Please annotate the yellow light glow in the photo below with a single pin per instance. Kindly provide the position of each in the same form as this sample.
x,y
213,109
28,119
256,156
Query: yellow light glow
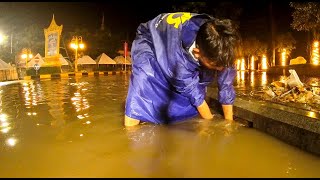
x,y
30,56
4,124
312,114
11,141
1,38
74,46
5,130
283,57
264,62
252,78
264,78
23,56
252,63
315,53
3,117
81,46
242,76
243,64
238,64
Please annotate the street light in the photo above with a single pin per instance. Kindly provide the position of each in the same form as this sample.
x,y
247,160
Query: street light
x,y
76,43
26,54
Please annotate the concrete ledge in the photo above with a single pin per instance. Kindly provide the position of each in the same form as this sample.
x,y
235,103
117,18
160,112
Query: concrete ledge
x,y
312,70
72,74
294,126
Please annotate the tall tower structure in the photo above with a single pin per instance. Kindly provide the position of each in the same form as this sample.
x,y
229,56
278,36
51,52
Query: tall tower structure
x,y
52,45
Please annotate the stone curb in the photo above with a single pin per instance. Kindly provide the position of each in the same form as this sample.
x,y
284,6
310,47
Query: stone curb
x,y
294,126
79,74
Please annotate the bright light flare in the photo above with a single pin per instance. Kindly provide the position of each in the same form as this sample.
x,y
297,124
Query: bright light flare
x,y
264,62
315,53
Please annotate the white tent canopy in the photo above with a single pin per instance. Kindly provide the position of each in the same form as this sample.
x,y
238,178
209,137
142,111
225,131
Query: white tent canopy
x,y
104,59
86,60
63,61
37,59
4,65
122,60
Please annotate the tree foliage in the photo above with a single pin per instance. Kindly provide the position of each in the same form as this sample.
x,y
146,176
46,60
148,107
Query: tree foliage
x,y
251,46
31,37
285,41
306,17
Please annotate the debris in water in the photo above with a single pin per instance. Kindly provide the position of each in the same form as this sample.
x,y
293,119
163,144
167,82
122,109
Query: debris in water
x,y
291,89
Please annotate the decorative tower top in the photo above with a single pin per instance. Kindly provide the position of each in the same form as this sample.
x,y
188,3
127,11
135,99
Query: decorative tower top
x,y
53,26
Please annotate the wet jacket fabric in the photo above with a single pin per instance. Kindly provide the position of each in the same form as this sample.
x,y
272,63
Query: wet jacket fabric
x,y
167,83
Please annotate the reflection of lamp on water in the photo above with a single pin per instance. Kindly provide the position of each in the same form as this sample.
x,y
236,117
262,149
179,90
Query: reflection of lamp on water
x,y
76,43
283,57
264,62
26,54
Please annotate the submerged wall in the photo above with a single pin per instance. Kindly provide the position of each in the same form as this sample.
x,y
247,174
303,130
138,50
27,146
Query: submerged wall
x,y
294,126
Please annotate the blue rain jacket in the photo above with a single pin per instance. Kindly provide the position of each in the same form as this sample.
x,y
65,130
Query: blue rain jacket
x,y
167,83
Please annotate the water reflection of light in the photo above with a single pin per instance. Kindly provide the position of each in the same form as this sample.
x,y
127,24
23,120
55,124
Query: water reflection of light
x,y
31,113
240,78
80,101
311,114
80,116
30,95
283,57
5,130
242,75
264,78
252,78
4,124
11,141
3,117
252,63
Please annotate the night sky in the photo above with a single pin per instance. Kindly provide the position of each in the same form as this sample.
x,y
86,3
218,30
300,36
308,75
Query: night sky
x,y
125,16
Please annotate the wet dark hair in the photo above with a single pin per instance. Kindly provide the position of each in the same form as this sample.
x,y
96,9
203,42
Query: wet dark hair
x,y
217,39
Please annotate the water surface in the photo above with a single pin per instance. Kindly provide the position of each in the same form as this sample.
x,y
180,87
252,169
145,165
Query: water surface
x,y
73,128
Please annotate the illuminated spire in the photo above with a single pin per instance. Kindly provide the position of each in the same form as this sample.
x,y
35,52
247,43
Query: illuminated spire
x,y
53,22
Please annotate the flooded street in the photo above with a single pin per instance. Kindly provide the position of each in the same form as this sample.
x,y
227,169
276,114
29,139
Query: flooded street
x,y
74,128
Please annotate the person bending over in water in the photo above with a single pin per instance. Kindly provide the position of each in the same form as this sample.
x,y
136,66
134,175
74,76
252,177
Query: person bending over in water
x,y
174,56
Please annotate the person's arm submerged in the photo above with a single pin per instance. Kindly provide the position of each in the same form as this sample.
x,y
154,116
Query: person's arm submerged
x,y
227,94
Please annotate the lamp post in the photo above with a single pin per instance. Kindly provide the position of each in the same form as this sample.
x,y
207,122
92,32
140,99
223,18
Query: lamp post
x,y
76,43
26,54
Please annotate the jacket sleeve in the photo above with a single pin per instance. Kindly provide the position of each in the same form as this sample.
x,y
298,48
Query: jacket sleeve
x,y
187,82
226,94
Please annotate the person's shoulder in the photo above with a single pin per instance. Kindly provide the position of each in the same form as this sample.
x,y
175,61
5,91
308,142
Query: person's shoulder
x,y
201,16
